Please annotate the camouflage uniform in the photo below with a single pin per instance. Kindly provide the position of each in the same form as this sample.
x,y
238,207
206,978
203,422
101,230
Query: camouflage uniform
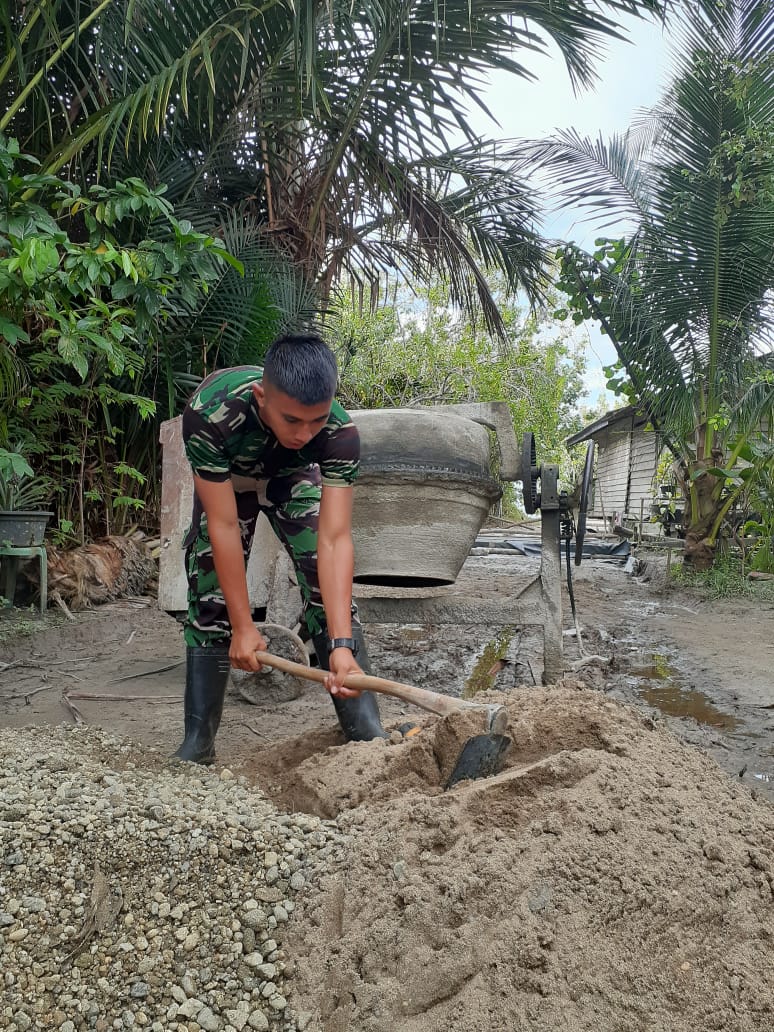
x,y
226,440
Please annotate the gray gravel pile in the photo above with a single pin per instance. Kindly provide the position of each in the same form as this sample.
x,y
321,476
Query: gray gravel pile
x,y
153,898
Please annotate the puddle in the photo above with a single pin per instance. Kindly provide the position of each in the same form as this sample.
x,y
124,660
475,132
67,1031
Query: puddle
x,y
668,696
677,702
654,666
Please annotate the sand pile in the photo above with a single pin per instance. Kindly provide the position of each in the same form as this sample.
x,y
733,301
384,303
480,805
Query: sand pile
x,y
609,879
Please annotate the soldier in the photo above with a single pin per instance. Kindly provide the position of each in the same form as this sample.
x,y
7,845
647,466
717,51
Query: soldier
x,y
271,440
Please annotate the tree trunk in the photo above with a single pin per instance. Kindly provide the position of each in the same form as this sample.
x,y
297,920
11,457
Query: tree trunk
x,y
704,500
698,551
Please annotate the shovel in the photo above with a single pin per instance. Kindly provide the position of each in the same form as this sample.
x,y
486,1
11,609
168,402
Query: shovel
x,y
480,756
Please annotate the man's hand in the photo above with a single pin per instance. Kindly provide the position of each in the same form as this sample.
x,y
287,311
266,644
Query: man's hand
x,y
244,645
342,662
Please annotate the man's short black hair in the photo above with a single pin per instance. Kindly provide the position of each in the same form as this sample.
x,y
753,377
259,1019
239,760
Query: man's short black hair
x,y
302,366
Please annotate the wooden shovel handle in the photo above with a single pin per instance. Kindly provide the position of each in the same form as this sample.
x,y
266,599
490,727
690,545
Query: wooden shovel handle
x,y
443,705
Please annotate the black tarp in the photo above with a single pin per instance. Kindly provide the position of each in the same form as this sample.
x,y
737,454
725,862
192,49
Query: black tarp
x,y
617,551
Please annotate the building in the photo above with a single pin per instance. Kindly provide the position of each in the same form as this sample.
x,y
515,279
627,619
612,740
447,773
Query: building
x,y
625,470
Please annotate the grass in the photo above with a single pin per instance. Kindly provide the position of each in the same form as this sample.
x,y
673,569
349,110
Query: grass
x,y
19,623
726,579
487,667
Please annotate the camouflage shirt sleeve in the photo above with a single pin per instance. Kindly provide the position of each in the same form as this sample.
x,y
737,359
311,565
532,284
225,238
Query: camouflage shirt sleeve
x,y
204,447
216,414
339,449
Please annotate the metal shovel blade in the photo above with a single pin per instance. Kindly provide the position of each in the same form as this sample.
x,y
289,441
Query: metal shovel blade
x,y
481,757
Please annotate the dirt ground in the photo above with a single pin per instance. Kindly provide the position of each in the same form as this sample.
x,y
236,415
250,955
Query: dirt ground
x,y
700,668
617,875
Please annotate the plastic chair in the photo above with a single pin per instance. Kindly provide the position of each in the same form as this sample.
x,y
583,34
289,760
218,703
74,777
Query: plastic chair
x,y
13,554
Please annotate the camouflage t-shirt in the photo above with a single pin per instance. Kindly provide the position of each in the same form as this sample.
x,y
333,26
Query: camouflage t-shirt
x,y
223,434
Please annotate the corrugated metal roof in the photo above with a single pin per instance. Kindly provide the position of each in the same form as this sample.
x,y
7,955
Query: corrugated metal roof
x,y
608,419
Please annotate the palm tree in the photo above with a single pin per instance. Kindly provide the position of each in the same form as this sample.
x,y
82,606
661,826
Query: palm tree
x,y
330,123
686,295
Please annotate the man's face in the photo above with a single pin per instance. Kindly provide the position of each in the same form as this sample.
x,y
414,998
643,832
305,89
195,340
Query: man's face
x,y
292,423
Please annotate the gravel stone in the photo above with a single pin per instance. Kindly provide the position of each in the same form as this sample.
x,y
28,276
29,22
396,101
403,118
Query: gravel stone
x,y
239,1016
156,896
190,1008
254,919
207,1020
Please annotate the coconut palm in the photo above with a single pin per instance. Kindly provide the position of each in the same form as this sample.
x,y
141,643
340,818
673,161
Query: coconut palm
x,y
336,124
686,294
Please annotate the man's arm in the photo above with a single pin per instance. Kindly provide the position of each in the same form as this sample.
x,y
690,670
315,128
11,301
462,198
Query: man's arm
x,y
335,568
219,503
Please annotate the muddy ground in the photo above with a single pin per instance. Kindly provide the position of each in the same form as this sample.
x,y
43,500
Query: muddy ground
x,y
617,875
701,668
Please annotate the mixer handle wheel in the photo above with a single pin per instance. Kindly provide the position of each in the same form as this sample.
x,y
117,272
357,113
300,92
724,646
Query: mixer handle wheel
x,y
530,473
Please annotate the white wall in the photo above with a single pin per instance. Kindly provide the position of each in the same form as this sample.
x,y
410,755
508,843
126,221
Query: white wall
x,y
625,468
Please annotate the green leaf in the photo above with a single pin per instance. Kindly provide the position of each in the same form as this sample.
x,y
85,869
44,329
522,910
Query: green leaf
x,y
124,501
122,288
13,464
12,332
69,348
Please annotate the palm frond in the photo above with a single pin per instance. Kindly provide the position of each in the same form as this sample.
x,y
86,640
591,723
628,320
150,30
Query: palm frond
x,y
274,102
700,270
240,315
407,216
608,179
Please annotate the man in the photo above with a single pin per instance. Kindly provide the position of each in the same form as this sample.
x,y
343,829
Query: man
x,y
271,440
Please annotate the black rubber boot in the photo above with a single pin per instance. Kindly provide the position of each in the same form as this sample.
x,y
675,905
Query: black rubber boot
x,y
359,718
207,672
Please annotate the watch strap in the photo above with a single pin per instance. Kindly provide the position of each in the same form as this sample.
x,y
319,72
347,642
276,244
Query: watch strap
x,y
342,643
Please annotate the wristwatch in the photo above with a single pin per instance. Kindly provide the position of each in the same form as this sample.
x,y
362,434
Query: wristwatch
x,y
342,643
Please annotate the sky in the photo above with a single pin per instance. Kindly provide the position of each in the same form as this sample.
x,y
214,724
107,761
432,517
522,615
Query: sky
x,y
631,77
